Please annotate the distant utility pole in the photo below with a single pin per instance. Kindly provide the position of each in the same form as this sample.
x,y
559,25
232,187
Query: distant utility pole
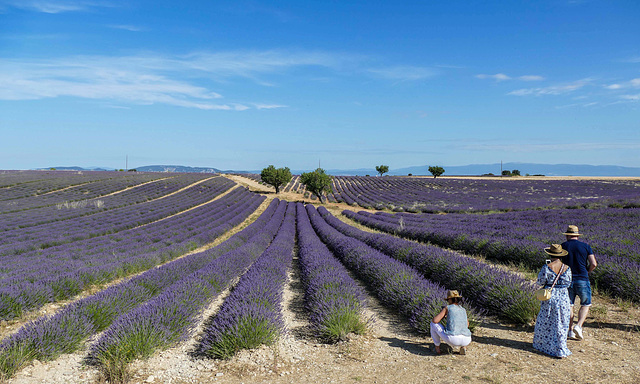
x,y
126,163
319,164
500,168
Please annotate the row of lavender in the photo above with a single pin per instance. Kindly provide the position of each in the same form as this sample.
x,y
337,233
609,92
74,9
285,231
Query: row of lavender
x,y
493,289
110,195
62,188
167,292
35,238
15,184
72,268
518,238
414,194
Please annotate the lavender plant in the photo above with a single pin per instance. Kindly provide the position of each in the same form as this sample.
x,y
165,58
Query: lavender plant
x,y
497,291
50,336
394,283
251,315
333,298
517,237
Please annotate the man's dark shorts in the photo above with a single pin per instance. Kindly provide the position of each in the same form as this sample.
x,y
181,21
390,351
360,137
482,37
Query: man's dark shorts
x,y
581,288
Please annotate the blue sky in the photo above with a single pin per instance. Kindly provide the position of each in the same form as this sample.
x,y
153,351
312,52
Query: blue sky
x,y
354,84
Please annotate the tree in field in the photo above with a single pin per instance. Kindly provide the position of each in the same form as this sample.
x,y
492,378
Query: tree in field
x,y
515,172
436,170
276,177
506,172
317,182
382,169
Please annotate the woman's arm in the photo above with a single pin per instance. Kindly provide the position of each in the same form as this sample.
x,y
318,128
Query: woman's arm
x,y
440,315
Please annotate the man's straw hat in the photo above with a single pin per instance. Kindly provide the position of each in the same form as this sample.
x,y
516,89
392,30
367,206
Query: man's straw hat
x,y
572,230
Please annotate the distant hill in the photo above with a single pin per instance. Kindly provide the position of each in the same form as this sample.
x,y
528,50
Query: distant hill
x,y
460,170
176,168
527,168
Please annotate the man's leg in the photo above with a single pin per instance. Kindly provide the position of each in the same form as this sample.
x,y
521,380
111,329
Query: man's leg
x,y
582,315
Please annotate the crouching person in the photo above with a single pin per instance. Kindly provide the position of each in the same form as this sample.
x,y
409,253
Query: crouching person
x,y
456,333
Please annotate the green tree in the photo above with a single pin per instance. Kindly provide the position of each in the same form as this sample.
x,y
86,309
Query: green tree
x,y
436,170
317,182
515,172
506,172
276,177
382,169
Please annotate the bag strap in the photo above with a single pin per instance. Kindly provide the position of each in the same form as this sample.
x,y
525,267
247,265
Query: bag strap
x,y
557,276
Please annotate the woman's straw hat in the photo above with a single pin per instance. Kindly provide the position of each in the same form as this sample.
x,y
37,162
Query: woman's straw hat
x,y
556,250
572,230
452,295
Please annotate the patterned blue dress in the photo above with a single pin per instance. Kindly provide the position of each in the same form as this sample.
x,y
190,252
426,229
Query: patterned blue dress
x,y
552,324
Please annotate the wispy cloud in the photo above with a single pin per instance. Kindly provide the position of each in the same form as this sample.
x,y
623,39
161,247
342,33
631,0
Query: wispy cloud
x,y
504,77
55,6
150,79
633,83
552,90
531,78
269,106
131,28
496,77
631,97
403,73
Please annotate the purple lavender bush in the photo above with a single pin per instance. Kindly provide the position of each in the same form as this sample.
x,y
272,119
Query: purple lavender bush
x,y
508,239
499,292
172,315
252,314
64,332
394,283
333,298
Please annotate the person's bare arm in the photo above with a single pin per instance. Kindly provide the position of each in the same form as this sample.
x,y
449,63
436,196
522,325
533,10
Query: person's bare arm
x,y
592,262
440,315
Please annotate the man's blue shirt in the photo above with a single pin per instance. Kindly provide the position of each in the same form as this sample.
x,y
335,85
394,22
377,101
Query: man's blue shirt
x,y
577,259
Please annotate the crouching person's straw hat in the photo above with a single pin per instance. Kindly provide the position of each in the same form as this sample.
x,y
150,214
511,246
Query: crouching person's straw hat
x,y
453,295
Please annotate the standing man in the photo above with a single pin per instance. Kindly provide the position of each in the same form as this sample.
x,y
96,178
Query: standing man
x,y
582,261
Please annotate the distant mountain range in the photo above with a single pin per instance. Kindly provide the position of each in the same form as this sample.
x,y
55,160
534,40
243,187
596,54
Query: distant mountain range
x,y
460,170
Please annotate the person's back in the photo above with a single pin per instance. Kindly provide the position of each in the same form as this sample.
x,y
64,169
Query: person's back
x,y
457,321
578,258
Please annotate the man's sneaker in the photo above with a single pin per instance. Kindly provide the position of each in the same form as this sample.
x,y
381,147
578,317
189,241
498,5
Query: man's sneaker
x,y
578,331
463,351
571,335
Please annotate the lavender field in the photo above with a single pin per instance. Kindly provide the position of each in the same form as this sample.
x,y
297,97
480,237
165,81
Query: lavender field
x,y
136,273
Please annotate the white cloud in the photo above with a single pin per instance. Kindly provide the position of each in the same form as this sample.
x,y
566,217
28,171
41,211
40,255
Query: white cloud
x,y
631,97
504,77
150,79
496,77
56,6
633,83
131,28
552,90
269,106
403,73
99,78
531,78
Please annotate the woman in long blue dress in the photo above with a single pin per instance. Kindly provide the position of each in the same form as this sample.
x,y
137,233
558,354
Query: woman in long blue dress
x,y
552,324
